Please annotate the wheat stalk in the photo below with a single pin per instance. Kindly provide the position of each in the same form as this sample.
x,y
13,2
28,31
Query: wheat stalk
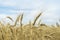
x,y
21,22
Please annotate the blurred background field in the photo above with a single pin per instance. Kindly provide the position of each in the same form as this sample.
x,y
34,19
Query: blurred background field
x,y
29,31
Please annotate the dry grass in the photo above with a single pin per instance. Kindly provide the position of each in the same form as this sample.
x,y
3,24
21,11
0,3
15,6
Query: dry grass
x,y
28,31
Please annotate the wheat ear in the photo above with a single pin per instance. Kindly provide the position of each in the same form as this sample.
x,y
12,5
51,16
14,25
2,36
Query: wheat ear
x,y
37,18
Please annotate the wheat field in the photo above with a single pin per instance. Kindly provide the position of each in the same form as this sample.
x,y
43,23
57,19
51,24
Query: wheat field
x,y
28,31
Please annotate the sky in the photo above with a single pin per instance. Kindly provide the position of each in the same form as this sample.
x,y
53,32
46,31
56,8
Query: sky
x,y
30,9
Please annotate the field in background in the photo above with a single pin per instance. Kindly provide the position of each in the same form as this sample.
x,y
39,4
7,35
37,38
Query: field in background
x,y
29,31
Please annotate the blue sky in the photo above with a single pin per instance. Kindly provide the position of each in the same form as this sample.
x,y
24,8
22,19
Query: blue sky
x,y
31,8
